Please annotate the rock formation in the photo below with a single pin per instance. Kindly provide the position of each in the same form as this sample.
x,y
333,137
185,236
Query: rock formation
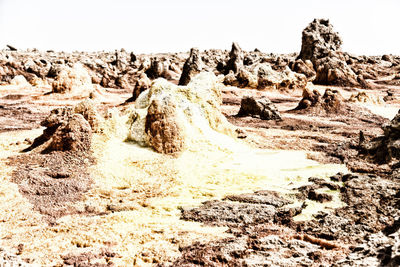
x,y
121,69
330,103
287,79
169,118
74,134
74,80
262,108
319,40
363,97
384,149
193,65
88,109
65,131
305,68
262,76
165,130
334,71
142,84
20,81
235,62
380,249
158,68
321,44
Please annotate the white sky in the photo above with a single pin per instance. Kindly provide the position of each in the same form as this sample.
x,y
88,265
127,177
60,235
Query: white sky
x,y
366,27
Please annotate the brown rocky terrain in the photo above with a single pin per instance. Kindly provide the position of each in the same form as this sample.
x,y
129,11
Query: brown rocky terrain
x,y
211,158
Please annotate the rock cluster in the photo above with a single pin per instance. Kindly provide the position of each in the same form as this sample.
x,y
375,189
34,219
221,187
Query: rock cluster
x,y
363,97
262,108
119,69
259,75
330,103
320,60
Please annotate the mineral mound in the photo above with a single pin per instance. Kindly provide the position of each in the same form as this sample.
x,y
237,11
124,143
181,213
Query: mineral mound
x,y
73,80
168,117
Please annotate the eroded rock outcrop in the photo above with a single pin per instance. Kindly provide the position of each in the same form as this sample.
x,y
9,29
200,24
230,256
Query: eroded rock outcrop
x,y
235,62
88,109
305,68
380,249
262,108
321,45
284,80
193,65
364,97
384,149
74,134
319,40
142,84
20,81
158,68
334,71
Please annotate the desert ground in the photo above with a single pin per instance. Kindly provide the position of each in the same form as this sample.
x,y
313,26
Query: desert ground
x,y
200,158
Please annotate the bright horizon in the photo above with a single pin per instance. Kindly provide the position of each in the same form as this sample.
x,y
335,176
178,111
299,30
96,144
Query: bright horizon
x,y
366,27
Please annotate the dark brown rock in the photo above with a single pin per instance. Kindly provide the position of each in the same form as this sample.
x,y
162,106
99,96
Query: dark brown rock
x,y
262,108
321,45
158,68
142,84
235,62
319,40
193,65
